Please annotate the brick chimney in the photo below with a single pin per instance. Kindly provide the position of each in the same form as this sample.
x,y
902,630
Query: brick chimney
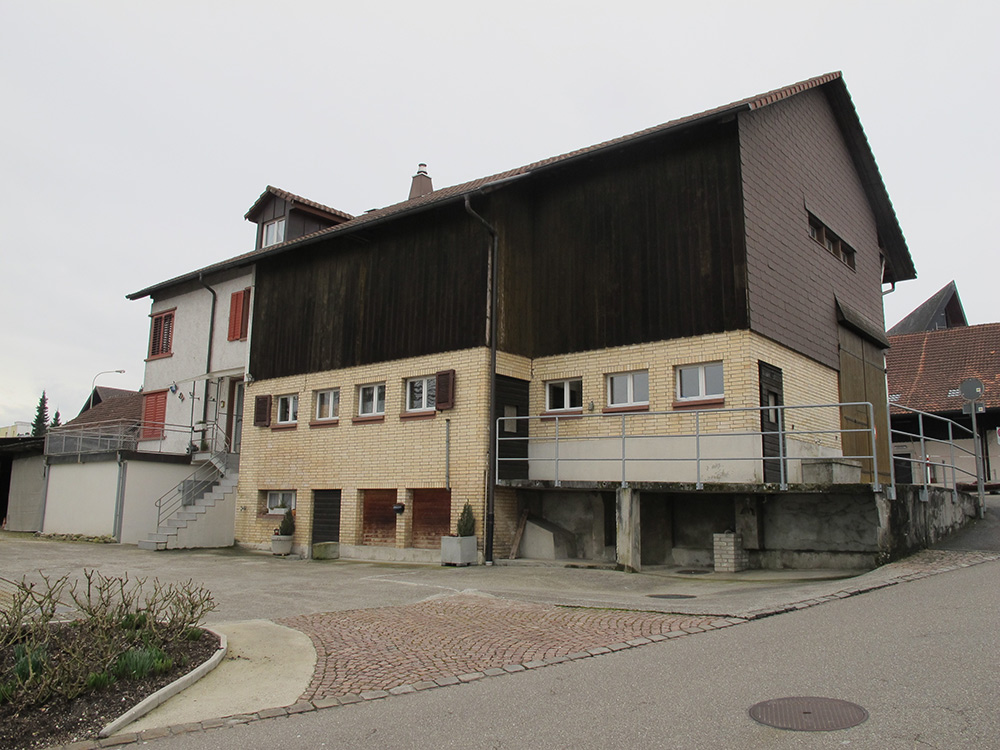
x,y
421,182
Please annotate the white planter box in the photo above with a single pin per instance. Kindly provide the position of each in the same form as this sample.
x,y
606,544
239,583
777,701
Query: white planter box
x,y
281,545
459,550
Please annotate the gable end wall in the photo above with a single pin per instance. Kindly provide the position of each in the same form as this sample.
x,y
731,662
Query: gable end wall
x,y
793,157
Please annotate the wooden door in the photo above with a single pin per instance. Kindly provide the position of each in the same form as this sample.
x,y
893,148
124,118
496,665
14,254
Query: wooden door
x,y
862,378
772,394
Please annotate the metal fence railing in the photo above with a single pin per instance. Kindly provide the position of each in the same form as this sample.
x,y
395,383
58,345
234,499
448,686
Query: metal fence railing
x,y
937,457
736,445
133,435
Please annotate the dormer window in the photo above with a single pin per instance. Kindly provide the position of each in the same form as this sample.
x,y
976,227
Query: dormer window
x,y
274,232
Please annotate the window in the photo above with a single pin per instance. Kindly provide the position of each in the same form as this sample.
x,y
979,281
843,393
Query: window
x,y
420,393
154,414
564,395
833,244
288,409
629,389
274,232
327,404
279,501
239,315
700,382
371,400
161,334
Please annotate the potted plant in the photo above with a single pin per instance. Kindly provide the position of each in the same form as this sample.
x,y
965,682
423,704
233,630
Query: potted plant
x,y
281,540
460,549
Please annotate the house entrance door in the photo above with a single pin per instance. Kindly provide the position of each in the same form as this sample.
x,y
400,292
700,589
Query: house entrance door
x,y
772,394
236,415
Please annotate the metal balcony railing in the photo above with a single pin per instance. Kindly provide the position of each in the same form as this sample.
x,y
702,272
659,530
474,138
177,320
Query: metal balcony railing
x,y
937,456
736,445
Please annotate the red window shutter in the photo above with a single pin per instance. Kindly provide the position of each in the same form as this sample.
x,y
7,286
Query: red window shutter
x,y
444,388
235,315
154,415
245,314
262,411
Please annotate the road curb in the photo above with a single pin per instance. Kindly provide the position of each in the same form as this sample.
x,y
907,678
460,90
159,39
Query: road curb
x,y
169,691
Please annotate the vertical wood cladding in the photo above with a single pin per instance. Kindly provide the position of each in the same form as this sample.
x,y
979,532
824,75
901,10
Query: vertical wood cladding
x,y
642,244
414,287
795,161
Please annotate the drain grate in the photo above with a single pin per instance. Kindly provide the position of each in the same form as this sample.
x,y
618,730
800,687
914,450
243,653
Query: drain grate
x,y
670,596
693,572
808,714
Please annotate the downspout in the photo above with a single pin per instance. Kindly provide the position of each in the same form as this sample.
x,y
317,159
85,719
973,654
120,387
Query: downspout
x,y
208,357
491,310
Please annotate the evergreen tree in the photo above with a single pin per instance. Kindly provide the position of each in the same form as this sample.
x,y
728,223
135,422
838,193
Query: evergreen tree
x,y
56,422
41,423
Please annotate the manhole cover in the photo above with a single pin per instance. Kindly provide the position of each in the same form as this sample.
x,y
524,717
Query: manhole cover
x,y
808,714
670,596
693,572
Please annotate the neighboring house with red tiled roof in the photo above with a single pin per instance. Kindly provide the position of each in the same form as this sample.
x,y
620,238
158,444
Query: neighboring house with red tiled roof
x,y
925,372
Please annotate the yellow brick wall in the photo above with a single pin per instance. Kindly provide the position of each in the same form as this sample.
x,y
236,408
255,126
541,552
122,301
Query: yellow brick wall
x,y
391,454
805,382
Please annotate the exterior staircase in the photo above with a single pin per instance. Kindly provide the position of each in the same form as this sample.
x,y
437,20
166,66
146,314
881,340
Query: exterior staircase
x,y
200,511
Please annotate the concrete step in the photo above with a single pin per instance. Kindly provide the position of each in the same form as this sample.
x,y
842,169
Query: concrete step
x,y
163,534
187,515
176,523
151,545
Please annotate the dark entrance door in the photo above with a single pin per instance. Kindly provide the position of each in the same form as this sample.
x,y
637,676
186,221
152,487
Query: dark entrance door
x,y
326,516
772,395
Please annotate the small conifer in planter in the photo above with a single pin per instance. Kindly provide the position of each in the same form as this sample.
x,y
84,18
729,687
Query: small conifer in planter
x,y
281,542
461,548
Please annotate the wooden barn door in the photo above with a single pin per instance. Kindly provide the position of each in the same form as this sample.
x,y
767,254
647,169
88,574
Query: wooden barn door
x,y
862,378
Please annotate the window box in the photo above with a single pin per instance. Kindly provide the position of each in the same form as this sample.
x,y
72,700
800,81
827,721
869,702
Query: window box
x,y
278,501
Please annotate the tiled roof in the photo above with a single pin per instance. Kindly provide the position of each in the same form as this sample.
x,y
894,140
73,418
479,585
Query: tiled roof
x,y
925,369
925,315
126,405
293,198
897,252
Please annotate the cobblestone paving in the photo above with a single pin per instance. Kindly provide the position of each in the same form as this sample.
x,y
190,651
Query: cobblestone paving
x,y
446,639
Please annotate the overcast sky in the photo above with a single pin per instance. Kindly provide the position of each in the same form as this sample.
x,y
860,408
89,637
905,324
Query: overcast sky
x,y
135,135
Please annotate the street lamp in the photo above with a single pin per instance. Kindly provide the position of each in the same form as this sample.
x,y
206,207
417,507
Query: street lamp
x,y
93,385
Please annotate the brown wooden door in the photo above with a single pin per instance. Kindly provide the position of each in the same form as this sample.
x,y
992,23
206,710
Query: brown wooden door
x,y
862,378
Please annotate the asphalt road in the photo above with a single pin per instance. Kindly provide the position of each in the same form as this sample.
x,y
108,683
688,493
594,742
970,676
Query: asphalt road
x,y
920,657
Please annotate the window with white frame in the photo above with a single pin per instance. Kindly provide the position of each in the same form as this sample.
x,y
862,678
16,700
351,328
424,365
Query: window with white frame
x,y
279,501
564,395
327,404
288,409
420,393
700,382
629,388
371,400
274,232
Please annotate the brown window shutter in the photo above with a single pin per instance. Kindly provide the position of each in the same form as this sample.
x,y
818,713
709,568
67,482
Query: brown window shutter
x,y
445,389
262,411
235,315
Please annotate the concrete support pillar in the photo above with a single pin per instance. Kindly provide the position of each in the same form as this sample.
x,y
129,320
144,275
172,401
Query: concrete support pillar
x,y
750,521
628,552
